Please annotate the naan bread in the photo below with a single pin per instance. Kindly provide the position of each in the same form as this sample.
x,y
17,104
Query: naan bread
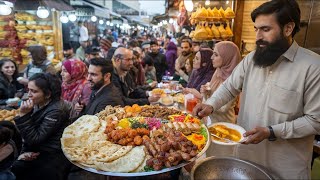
x,y
84,125
126,163
140,168
109,152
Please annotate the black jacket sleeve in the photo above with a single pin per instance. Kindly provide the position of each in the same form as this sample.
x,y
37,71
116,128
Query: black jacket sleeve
x,y
34,134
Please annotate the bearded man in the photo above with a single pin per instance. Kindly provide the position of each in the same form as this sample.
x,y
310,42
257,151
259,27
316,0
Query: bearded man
x,y
280,84
104,93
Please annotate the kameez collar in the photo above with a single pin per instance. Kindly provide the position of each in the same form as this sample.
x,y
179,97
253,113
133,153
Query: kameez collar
x,y
292,51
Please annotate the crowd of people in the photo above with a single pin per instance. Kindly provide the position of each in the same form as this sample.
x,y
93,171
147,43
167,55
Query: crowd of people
x,y
92,77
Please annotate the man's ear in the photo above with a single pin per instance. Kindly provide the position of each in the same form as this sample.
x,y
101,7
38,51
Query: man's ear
x,y
107,77
288,29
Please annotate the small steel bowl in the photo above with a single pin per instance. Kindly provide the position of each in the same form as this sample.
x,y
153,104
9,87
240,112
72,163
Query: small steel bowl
x,y
227,168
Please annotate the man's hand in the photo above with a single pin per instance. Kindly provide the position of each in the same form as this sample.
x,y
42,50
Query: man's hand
x,y
28,156
256,135
26,107
23,80
78,107
202,110
153,84
153,99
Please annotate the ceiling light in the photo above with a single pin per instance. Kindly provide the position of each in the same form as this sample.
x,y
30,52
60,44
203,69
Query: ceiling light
x,y
207,3
188,4
4,9
42,12
64,18
111,24
94,18
72,17
108,23
170,20
101,21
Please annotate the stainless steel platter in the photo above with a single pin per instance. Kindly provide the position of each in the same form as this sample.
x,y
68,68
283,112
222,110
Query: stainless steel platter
x,y
93,170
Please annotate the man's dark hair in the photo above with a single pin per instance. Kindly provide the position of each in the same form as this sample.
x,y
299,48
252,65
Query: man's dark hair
x,y
38,53
67,46
106,66
133,43
154,42
286,11
187,40
147,60
49,84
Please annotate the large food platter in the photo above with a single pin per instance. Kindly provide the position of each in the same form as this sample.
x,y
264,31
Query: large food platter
x,y
111,115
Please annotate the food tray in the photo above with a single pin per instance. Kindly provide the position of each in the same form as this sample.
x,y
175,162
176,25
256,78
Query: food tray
x,y
93,170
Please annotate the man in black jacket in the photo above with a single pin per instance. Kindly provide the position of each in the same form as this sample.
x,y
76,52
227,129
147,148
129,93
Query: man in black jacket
x,y
123,80
103,91
159,60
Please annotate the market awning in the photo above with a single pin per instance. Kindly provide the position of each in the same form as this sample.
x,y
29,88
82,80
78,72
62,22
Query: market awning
x,y
137,20
59,5
98,9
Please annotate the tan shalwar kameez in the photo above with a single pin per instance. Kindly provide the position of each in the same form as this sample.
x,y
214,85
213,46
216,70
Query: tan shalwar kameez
x,y
285,96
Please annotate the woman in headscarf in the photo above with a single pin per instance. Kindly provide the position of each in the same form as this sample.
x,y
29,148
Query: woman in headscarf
x,y
202,69
39,64
225,58
75,88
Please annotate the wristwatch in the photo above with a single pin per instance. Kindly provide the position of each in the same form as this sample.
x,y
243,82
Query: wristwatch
x,y
272,137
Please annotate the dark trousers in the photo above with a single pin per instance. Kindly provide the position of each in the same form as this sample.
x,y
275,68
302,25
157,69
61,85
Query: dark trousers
x,y
48,166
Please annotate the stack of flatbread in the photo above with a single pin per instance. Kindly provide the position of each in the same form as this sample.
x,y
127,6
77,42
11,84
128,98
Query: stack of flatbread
x,y
85,143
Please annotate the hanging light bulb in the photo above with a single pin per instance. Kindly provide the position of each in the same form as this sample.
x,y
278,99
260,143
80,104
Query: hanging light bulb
x,y
72,17
207,3
160,24
4,9
64,18
165,22
108,23
101,21
42,12
117,25
188,4
170,20
227,2
111,24
94,18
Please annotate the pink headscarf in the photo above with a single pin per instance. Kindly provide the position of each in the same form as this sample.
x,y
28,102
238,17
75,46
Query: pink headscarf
x,y
78,71
230,55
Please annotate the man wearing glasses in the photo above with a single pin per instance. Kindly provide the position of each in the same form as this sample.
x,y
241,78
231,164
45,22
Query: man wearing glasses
x,y
131,94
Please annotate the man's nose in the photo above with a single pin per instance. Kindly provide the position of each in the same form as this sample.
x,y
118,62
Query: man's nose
x,y
259,35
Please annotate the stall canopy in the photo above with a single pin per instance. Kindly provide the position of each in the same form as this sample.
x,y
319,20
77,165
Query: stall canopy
x,y
59,5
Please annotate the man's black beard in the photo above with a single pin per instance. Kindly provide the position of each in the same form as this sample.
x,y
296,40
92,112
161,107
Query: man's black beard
x,y
68,56
185,53
268,55
98,85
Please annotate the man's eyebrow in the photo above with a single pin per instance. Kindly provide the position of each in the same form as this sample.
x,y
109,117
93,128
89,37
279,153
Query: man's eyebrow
x,y
261,27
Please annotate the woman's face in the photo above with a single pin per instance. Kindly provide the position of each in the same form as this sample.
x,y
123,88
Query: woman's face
x,y
197,61
36,94
66,77
188,66
216,59
8,68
